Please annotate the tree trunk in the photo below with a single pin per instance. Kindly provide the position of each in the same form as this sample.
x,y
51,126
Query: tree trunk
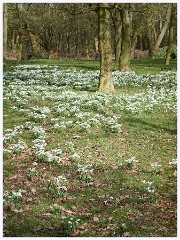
x,y
96,44
77,41
124,63
19,56
170,41
163,29
5,31
105,80
133,44
150,37
116,17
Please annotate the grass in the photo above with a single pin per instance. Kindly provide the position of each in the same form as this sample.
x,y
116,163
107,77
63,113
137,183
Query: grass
x,y
139,66
123,198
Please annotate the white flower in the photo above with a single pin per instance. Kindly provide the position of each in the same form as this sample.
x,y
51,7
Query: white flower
x,y
173,162
75,156
155,165
16,194
34,163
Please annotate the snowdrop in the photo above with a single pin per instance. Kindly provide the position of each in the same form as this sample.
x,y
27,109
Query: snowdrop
x,y
13,196
85,172
155,165
18,147
148,186
75,156
58,186
173,162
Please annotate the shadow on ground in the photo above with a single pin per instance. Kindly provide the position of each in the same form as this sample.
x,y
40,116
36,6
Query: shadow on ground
x,y
151,125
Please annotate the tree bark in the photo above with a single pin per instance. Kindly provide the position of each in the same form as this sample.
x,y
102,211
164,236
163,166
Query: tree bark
x,y
164,28
5,31
133,44
150,36
105,80
116,17
96,44
124,63
170,41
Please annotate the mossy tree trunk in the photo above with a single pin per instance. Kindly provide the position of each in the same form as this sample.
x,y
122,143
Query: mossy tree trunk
x,y
133,44
105,80
124,63
170,40
116,17
5,31
19,55
96,44
150,36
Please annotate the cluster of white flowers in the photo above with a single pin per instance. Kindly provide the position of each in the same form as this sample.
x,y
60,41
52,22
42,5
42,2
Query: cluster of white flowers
x,y
155,165
39,145
11,134
75,156
12,196
87,109
69,224
83,80
28,85
173,162
43,155
37,117
148,186
32,172
113,125
58,186
38,131
131,160
85,172
16,148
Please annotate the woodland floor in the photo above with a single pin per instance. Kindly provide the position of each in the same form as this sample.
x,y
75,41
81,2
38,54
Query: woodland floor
x,y
115,180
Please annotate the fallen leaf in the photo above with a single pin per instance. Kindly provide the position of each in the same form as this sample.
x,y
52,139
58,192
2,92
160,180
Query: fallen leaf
x,y
74,208
14,177
36,229
18,210
83,226
9,206
69,212
48,214
114,167
29,199
26,208
71,197
126,234
95,219
33,190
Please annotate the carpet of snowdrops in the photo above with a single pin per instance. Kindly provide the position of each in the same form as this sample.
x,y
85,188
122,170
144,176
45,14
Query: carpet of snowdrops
x,y
51,101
